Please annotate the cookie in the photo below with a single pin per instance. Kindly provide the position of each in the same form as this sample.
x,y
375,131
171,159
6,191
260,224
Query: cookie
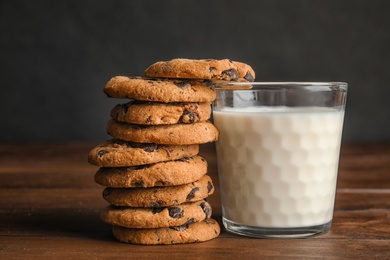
x,y
170,173
149,113
160,196
160,90
177,134
118,153
201,69
188,233
157,217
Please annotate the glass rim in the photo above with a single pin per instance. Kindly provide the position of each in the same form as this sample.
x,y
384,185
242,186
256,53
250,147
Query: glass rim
x,y
230,85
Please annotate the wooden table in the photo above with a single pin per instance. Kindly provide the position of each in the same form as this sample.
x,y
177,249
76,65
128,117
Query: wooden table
x,y
49,208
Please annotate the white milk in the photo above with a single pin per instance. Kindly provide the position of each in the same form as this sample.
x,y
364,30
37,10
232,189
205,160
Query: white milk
x,y
278,166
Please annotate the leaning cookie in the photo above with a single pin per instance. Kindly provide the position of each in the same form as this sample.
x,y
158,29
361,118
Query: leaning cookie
x,y
201,69
160,90
118,153
177,134
188,233
160,196
170,173
152,113
157,217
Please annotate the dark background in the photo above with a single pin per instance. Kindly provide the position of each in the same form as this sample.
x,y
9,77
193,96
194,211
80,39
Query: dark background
x,y
56,56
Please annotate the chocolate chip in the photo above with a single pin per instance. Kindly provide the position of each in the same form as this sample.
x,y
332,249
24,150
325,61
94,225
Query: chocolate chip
x,y
181,84
184,226
231,74
185,159
189,115
101,153
208,83
156,210
211,69
190,221
206,209
191,195
149,119
249,77
150,148
179,228
209,186
139,184
155,204
175,212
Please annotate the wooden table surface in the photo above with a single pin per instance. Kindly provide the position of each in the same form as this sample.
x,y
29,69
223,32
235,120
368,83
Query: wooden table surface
x,y
49,207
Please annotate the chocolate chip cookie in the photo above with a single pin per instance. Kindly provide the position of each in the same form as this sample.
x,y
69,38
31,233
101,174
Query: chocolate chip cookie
x,y
169,173
157,217
201,69
188,233
160,90
118,153
160,196
177,134
152,113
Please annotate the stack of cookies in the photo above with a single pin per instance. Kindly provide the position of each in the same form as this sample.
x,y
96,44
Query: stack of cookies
x,y
156,183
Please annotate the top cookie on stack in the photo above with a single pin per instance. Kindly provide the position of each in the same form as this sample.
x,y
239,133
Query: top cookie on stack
x,y
225,70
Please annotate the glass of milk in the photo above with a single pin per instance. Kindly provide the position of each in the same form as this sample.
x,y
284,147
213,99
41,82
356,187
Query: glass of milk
x,y
278,154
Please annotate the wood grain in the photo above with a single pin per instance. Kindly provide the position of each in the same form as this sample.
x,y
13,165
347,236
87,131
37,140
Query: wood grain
x,y
49,207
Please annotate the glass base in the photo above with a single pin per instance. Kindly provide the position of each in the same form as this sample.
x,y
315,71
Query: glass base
x,y
265,232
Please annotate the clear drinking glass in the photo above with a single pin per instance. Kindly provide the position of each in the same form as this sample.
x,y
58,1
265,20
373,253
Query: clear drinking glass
x,y
278,154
